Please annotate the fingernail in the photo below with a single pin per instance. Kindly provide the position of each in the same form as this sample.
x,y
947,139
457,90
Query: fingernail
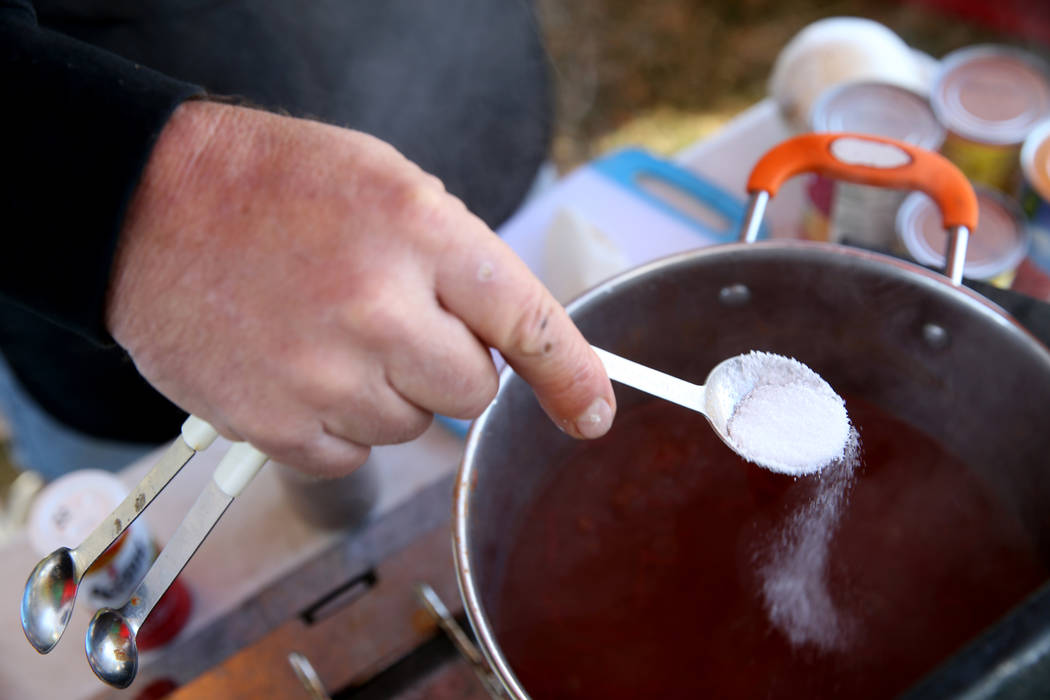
x,y
595,421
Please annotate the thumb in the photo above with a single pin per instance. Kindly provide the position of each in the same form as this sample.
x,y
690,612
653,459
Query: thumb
x,y
493,292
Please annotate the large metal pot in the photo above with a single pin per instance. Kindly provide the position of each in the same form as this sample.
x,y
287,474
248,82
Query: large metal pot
x,y
931,352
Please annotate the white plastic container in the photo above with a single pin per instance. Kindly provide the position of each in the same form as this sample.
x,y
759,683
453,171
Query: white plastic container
x,y
837,50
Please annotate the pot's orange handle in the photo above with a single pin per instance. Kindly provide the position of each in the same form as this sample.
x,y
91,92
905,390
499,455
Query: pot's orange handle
x,y
870,160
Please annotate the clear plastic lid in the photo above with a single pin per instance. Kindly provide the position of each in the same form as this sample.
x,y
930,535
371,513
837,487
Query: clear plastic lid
x,y
879,109
70,507
991,94
1035,159
998,245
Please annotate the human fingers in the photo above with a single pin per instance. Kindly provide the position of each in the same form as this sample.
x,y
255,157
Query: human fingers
x,y
493,291
324,454
435,362
305,445
346,389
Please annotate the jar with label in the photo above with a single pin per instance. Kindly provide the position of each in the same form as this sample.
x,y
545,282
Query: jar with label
x,y
67,510
1035,202
995,249
843,212
990,98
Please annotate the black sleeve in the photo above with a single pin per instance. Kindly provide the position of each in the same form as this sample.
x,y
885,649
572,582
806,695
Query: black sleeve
x,y
78,125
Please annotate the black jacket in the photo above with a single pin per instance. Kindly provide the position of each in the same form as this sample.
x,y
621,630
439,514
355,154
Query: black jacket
x,y
459,86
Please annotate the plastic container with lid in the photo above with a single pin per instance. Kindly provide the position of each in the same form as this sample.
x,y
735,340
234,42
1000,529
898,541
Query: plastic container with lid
x,y
995,249
860,214
989,98
1035,199
66,511
834,51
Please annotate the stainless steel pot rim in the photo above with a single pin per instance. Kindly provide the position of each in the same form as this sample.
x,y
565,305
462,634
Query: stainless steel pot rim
x,y
793,249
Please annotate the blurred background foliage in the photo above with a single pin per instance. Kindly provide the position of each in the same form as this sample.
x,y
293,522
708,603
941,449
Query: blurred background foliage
x,y
663,73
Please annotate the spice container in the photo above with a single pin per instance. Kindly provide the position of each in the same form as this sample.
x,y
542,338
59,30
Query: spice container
x,y
67,510
859,214
1035,197
995,249
835,51
990,98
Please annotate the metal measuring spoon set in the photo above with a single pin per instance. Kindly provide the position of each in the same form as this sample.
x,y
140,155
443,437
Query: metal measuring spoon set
x,y
50,592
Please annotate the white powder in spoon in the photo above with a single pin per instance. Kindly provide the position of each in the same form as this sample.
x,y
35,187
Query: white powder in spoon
x,y
788,419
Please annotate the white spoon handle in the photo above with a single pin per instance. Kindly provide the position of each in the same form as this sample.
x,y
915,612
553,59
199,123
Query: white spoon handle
x,y
236,469
652,381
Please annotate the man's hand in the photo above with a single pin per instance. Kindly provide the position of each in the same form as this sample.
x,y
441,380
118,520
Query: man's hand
x,y
308,289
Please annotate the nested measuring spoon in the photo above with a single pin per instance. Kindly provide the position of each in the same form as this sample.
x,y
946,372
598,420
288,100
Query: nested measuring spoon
x,y
51,590
110,640
770,409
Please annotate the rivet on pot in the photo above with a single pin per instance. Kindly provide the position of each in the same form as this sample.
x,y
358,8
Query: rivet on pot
x,y
936,337
734,295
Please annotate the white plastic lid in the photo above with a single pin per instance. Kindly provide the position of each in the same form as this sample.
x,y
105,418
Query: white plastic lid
x,y
999,243
991,94
1035,159
879,109
70,507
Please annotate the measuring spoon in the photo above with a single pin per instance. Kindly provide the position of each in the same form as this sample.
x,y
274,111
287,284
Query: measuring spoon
x,y
51,590
724,391
110,640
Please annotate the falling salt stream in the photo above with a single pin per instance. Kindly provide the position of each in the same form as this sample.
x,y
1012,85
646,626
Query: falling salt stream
x,y
793,568
791,421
